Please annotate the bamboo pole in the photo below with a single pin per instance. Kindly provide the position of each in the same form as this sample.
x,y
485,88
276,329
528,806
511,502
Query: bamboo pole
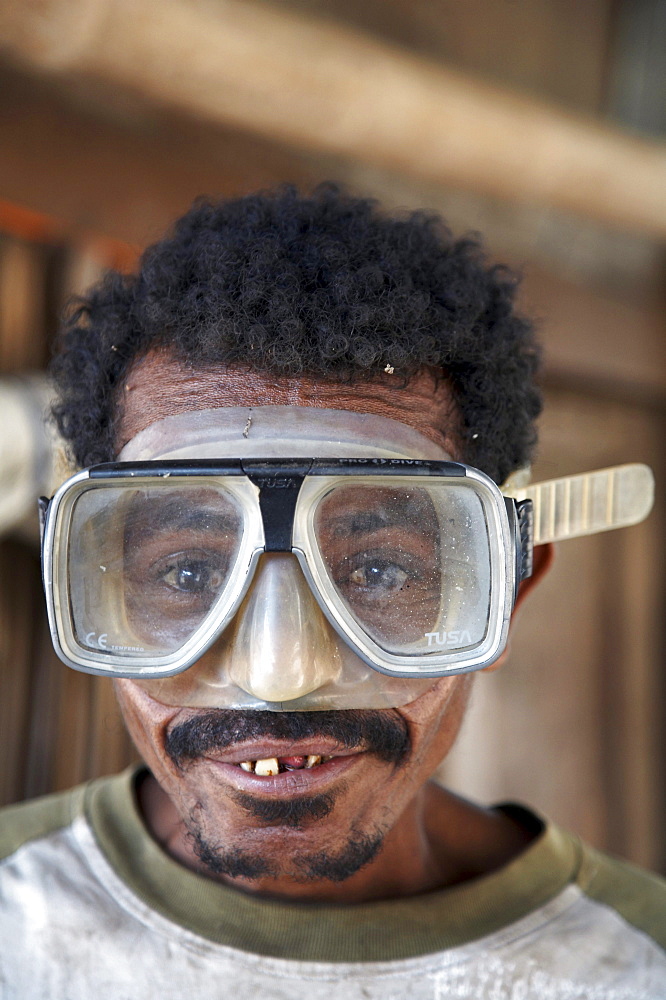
x,y
329,89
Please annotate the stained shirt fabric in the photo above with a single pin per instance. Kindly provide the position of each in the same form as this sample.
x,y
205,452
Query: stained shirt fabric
x,y
90,905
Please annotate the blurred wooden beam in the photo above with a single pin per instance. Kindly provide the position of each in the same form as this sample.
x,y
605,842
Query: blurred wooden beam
x,y
100,171
323,87
92,174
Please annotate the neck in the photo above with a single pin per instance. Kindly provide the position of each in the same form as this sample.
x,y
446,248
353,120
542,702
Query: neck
x,y
440,840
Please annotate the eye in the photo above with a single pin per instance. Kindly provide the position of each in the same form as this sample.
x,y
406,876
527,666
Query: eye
x,y
192,576
378,573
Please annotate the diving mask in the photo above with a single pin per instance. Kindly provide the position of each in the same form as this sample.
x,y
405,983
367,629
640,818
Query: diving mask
x,y
348,575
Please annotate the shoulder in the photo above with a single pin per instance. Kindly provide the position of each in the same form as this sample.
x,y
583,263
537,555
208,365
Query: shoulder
x,y
43,818
597,897
637,896
29,821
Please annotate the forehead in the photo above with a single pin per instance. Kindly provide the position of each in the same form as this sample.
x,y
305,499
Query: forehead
x,y
159,386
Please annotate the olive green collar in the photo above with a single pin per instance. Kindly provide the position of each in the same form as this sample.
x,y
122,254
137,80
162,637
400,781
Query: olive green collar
x,y
368,932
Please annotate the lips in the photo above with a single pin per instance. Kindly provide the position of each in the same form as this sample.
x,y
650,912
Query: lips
x,y
281,770
292,754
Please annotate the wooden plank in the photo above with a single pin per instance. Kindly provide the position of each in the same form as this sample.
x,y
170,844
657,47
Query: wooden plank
x,y
325,88
22,345
556,50
17,581
45,673
22,276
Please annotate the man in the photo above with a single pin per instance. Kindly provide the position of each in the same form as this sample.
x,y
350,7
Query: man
x,y
294,581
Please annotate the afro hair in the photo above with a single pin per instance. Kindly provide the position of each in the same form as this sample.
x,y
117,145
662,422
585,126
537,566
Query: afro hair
x,y
326,284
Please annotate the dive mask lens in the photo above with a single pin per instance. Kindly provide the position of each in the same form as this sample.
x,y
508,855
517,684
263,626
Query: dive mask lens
x,y
407,563
141,568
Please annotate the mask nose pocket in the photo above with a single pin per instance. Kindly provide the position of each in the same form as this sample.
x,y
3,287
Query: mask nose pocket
x,y
280,646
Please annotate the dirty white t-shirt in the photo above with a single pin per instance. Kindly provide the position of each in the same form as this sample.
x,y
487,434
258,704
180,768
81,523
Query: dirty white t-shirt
x,y
91,907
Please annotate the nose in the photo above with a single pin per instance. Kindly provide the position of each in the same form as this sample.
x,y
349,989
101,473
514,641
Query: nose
x,y
279,653
279,645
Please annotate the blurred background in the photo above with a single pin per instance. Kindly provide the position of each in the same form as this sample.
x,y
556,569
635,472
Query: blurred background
x,y
539,123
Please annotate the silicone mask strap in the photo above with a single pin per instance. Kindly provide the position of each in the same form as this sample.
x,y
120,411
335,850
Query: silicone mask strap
x,y
588,503
278,431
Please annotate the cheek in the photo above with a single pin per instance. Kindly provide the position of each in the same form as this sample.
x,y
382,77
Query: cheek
x,y
434,719
146,722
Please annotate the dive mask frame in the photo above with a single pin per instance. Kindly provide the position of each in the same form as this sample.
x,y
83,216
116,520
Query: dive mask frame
x,y
285,492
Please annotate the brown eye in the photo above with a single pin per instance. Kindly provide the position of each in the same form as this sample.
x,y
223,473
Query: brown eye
x,y
192,576
379,574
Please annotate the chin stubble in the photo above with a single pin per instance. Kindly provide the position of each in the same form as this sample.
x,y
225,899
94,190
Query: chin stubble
x,y
378,732
359,851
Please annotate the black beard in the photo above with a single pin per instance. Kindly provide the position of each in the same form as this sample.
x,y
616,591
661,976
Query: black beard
x,y
359,851
380,732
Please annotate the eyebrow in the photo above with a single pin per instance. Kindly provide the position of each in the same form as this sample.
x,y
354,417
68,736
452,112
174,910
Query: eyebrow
x,y
157,516
364,522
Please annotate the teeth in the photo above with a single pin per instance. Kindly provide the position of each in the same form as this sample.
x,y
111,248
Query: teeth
x,y
270,766
267,767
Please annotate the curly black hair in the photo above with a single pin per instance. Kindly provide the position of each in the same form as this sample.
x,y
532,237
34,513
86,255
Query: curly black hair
x,y
325,284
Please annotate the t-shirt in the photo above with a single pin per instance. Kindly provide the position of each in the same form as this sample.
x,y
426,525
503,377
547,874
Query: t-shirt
x,y
91,907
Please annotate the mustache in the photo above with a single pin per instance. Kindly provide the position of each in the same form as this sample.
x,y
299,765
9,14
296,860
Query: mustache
x,y
379,732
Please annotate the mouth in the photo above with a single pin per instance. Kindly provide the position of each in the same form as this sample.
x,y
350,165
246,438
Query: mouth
x,y
268,767
288,769
263,745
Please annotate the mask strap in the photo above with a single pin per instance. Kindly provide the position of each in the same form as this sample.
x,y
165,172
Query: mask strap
x,y
589,503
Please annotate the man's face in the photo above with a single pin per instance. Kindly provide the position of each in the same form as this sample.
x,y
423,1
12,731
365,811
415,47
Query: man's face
x,y
286,831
